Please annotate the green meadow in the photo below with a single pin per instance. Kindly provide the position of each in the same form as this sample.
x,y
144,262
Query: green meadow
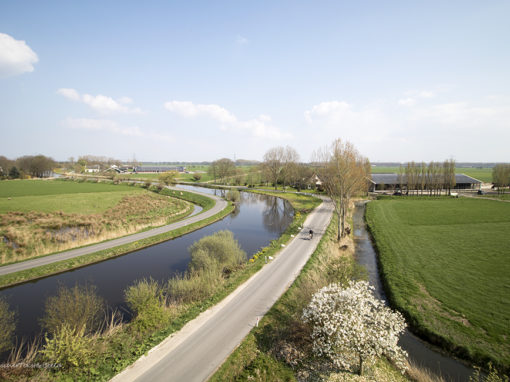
x,y
446,264
68,197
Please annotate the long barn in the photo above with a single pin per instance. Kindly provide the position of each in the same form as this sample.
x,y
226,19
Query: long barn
x,y
393,181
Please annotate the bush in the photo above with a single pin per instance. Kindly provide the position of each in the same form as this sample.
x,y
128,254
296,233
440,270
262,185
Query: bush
x,y
7,325
233,196
193,287
147,301
68,347
350,324
78,307
219,250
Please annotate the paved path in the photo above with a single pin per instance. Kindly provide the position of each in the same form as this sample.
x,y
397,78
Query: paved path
x,y
219,206
201,346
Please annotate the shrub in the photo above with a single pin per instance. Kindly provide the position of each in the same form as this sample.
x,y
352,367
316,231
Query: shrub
x,y
78,307
219,250
68,346
350,325
193,287
147,301
7,325
233,196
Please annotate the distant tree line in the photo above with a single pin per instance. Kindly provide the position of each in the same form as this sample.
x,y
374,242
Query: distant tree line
x,y
37,166
432,178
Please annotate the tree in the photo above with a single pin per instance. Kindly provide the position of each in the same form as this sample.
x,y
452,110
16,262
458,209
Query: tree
x,y
197,177
222,168
501,176
14,173
168,177
289,165
273,164
343,172
449,175
37,166
5,165
351,321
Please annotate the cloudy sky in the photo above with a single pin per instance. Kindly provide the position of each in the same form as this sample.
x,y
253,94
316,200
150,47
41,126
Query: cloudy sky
x,y
193,81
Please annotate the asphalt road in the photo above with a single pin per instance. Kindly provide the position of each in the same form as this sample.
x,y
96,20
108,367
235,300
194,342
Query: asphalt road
x,y
219,206
198,350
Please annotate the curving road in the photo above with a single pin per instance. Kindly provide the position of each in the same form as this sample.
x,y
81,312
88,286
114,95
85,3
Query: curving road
x,y
219,206
200,347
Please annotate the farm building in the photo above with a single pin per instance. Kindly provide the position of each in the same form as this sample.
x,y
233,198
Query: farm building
x,y
393,181
159,169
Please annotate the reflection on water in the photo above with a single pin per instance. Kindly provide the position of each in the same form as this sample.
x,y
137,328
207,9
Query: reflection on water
x,y
277,215
252,226
419,353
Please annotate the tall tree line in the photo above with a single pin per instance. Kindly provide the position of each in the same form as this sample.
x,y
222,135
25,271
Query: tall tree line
x,y
501,176
432,178
33,165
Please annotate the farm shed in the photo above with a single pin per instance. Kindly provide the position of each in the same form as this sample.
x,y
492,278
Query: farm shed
x,y
158,169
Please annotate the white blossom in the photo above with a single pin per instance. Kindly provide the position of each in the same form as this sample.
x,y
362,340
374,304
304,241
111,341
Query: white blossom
x,y
351,326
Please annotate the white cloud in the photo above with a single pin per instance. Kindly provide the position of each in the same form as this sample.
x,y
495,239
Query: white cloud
x,y
425,131
407,101
16,57
114,127
69,93
101,125
259,127
102,104
241,40
341,119
413,96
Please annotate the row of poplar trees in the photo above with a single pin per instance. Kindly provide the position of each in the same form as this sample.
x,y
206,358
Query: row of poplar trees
x,y
432,178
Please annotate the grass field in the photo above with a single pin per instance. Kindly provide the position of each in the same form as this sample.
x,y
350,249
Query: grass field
x,y
446,264
15,188
483,174
41,217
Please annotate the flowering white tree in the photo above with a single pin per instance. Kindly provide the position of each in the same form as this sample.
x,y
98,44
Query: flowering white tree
x,y
351,326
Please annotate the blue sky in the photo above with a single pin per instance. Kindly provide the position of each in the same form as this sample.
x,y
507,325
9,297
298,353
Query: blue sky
x,y
193,81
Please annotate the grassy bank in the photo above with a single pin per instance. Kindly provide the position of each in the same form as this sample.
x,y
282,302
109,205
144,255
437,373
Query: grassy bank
x,y
62,266
445,265
279,349
115,349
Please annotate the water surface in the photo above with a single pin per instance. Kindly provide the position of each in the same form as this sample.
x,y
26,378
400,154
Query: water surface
x,y
256,221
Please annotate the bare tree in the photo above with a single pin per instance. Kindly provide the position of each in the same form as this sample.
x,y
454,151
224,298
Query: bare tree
x,y
343,172
449,175
273,164
289,165
223,168
501,176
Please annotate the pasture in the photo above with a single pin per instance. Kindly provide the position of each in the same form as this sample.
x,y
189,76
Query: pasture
x,y
40,217
68,197
446,264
